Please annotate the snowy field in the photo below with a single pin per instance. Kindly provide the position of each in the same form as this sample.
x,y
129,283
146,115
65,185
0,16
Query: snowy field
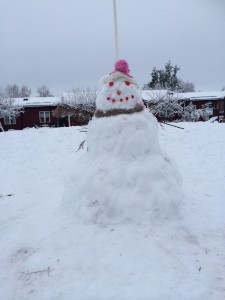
x,y
46,254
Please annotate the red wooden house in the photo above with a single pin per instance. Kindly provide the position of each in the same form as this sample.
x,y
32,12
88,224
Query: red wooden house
x,y
36,111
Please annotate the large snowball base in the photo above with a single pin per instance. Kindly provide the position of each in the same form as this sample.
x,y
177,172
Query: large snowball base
x,y
124,176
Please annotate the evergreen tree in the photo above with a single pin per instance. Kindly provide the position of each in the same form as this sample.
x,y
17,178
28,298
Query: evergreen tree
x,y
155,78
168,74
162,80
166,78
174,81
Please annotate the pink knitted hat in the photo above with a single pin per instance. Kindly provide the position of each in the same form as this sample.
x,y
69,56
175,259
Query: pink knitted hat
x,y
122,66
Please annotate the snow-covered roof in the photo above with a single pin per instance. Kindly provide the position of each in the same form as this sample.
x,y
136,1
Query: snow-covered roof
x,y
149,95
202,95
37,101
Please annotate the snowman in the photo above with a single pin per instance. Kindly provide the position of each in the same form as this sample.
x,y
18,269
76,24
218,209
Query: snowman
x,y
124,176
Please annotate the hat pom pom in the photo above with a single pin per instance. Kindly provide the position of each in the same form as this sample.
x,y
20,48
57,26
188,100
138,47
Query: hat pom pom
x,y
122,66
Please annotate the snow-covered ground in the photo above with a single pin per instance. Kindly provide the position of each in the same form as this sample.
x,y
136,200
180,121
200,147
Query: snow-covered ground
x,y
47,254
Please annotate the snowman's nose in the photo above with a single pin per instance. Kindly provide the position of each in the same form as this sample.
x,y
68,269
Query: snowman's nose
x,y
118,92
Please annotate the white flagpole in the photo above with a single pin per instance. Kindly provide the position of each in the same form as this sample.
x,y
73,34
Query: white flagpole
x,y
116,30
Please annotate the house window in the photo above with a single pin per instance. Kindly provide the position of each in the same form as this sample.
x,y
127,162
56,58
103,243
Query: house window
x,y
44,116
9,120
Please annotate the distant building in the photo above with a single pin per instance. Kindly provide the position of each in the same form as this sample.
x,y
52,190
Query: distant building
x,y
37,111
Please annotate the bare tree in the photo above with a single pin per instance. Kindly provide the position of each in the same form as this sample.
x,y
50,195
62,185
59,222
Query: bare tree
x,y
12,91
186,86
44,91
24,91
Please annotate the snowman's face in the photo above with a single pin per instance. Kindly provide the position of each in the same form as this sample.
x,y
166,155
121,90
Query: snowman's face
x,y
117,95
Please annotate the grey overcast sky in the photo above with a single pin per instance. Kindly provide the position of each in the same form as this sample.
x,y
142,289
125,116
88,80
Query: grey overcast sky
x,y
70,43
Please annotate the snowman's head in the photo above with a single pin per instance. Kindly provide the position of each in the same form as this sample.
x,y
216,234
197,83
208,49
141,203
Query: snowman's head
x,y
118,92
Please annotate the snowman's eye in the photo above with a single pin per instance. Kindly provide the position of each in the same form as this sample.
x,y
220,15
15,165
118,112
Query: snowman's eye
x,y
111,83
127,82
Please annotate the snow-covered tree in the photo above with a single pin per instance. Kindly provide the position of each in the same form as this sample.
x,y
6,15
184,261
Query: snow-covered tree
x,y
44,91
79,103
165,106
192,114
186,86
8,107
169,106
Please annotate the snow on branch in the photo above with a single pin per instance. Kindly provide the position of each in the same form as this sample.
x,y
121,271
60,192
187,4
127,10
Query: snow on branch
x,y
165,105
8,106
79,103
